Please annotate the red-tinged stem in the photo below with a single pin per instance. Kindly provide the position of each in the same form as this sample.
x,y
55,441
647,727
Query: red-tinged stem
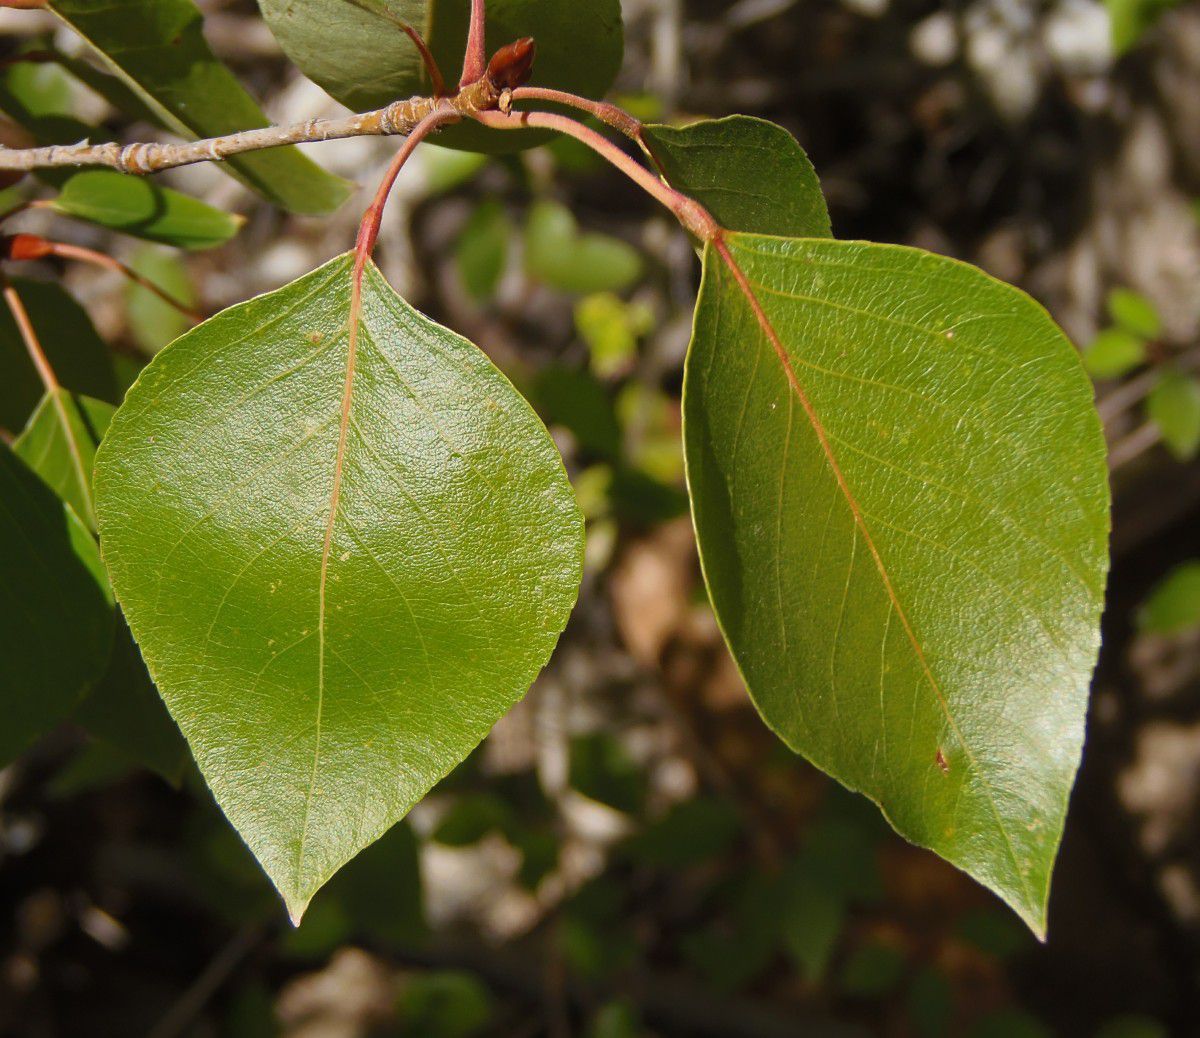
x,y
24,5
368,230
431,66
610,114
694,217
63,250
29,337
475,60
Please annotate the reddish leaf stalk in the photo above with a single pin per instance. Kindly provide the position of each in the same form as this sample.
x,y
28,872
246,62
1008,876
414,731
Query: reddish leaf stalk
x,y
30,246
29,337
694,217
475,59
609,114
436,79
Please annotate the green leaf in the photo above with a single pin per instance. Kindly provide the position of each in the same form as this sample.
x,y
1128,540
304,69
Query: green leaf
x,y
75,352
153,322
356,51
1174,406
158,48
611,328
752,175
1113,353
59,444
125,711
57,628
342,567
558,254
811,921
141,208
482,250
1174,604
1135,313
1132,18
902,514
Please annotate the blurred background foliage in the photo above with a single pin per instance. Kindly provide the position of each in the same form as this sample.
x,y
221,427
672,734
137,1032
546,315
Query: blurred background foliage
x,y
631,853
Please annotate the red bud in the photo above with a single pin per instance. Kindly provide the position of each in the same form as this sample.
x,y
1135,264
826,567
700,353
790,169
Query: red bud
x,y
26,247
512,66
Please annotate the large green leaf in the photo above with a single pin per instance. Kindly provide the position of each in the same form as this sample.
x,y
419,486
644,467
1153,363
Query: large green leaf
x,y
76,353
750,174
902,516
356,50
57,621
342,568
59,444
140,207
158,48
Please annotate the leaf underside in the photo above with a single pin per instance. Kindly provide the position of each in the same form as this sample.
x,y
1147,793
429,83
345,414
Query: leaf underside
x,y
903,527
332,645
357,52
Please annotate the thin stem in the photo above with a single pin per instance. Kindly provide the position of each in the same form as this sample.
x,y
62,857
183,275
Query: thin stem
x,y
610,114
63,250
368,230
396,119
436,79
475,59
694,217
29,337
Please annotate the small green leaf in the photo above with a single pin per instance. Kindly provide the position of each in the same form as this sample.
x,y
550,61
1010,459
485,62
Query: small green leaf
x,y
141,208
342,566
1132,18
1174,406
59,444
811,921
76,353
58,619
752,175
1174,604
482,249
158,48
356,50
1113,353
153,322
611,328
1135,313
558,254
902,513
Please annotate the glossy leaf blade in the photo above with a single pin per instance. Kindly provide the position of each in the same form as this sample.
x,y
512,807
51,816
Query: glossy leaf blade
x,y
356,50
56,626
158,48
904,533
332,645
139,207
59,444
752,175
